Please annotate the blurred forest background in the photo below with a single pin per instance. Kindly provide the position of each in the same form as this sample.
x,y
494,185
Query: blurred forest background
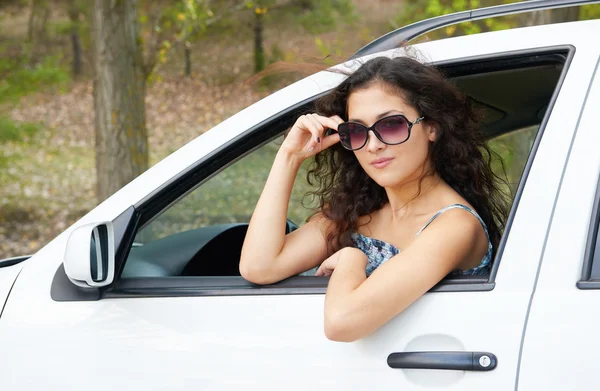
x,y
75,127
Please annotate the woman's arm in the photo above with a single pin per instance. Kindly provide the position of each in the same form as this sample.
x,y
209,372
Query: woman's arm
x,y
268,255
355,306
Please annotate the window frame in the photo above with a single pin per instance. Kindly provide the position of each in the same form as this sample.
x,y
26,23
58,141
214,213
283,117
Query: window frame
x,y
590,271
590,278
139,215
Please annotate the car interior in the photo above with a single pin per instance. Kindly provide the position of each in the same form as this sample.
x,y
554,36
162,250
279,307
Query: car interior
x,y
513,91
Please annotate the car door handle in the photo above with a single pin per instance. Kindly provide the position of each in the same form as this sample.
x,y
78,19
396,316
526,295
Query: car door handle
x,y
464,361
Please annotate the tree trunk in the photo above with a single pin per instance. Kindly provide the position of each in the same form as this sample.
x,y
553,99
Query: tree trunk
x,y
119,96
75,40
44,24
259,52
306,4
188,59
31,22
77,64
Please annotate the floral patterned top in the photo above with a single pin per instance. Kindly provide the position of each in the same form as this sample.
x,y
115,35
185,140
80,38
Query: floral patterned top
x,y
378,251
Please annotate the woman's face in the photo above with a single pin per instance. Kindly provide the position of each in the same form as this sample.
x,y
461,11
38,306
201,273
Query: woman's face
x,y
389,165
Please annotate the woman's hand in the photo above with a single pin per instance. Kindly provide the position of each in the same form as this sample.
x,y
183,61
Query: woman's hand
x,y
305,138
327,267
348,253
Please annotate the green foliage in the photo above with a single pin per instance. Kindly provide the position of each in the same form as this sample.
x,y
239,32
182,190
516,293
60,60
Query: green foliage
x,y
587,12
513,149
324,16
260,7
19,79
67,27
277,54
189,18
64,27
328,49
16,131
179,22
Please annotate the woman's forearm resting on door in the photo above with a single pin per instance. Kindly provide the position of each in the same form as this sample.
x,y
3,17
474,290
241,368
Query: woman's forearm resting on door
x,y
356,306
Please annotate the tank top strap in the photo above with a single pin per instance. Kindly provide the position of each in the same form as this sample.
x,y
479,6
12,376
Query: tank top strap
x,y
455,206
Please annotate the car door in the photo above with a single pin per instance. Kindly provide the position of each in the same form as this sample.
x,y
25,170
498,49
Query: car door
x,y
216,333
560,347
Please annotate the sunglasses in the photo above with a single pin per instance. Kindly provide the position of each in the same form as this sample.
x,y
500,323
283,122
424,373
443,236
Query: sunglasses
x,y
391,130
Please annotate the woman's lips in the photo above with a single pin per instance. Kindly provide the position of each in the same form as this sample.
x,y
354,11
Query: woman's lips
x,y
381,162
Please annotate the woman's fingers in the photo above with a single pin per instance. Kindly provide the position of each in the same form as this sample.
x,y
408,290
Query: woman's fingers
x,y
323,271
330,140
327,123
316,125
313,127
337,119
313,118
332,122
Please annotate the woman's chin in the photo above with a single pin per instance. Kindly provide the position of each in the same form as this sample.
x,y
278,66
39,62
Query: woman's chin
x,y
395,176
388,179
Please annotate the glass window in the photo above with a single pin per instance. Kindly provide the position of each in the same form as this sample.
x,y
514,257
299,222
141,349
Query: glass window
x,y
514,149
222,205
229,197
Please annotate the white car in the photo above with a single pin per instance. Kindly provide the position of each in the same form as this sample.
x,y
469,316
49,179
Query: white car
x,y
144,291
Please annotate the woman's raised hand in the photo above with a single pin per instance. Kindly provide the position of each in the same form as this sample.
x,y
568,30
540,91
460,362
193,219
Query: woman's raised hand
x,y
306,138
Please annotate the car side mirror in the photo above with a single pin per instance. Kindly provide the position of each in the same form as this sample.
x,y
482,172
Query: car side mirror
x,y
90,255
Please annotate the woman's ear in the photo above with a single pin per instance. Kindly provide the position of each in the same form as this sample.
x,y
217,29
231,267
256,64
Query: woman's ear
x,y
432,132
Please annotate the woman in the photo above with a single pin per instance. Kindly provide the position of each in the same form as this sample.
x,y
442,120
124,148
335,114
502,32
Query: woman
x,y
407,196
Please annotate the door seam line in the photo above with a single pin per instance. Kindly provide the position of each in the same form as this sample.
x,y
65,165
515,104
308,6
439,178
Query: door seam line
x,y
9,292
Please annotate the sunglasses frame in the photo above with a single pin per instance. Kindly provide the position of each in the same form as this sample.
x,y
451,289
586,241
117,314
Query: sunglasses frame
x,y
372,128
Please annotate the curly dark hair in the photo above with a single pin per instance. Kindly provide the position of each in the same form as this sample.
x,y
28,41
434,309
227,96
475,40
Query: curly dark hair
x,y
459,154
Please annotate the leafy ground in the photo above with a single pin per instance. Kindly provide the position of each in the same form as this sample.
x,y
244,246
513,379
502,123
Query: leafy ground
x,y
50,181
47,180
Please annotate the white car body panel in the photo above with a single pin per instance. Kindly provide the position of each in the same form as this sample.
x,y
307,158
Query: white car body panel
x,y
277,342
562,332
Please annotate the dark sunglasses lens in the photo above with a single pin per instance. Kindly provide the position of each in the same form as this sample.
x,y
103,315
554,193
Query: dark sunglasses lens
x,y
352,136
393,130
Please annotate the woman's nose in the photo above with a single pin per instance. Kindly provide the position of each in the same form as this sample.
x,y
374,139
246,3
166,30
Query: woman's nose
x,y
373,143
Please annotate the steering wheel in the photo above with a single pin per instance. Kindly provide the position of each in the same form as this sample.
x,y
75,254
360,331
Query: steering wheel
x,y
220,256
